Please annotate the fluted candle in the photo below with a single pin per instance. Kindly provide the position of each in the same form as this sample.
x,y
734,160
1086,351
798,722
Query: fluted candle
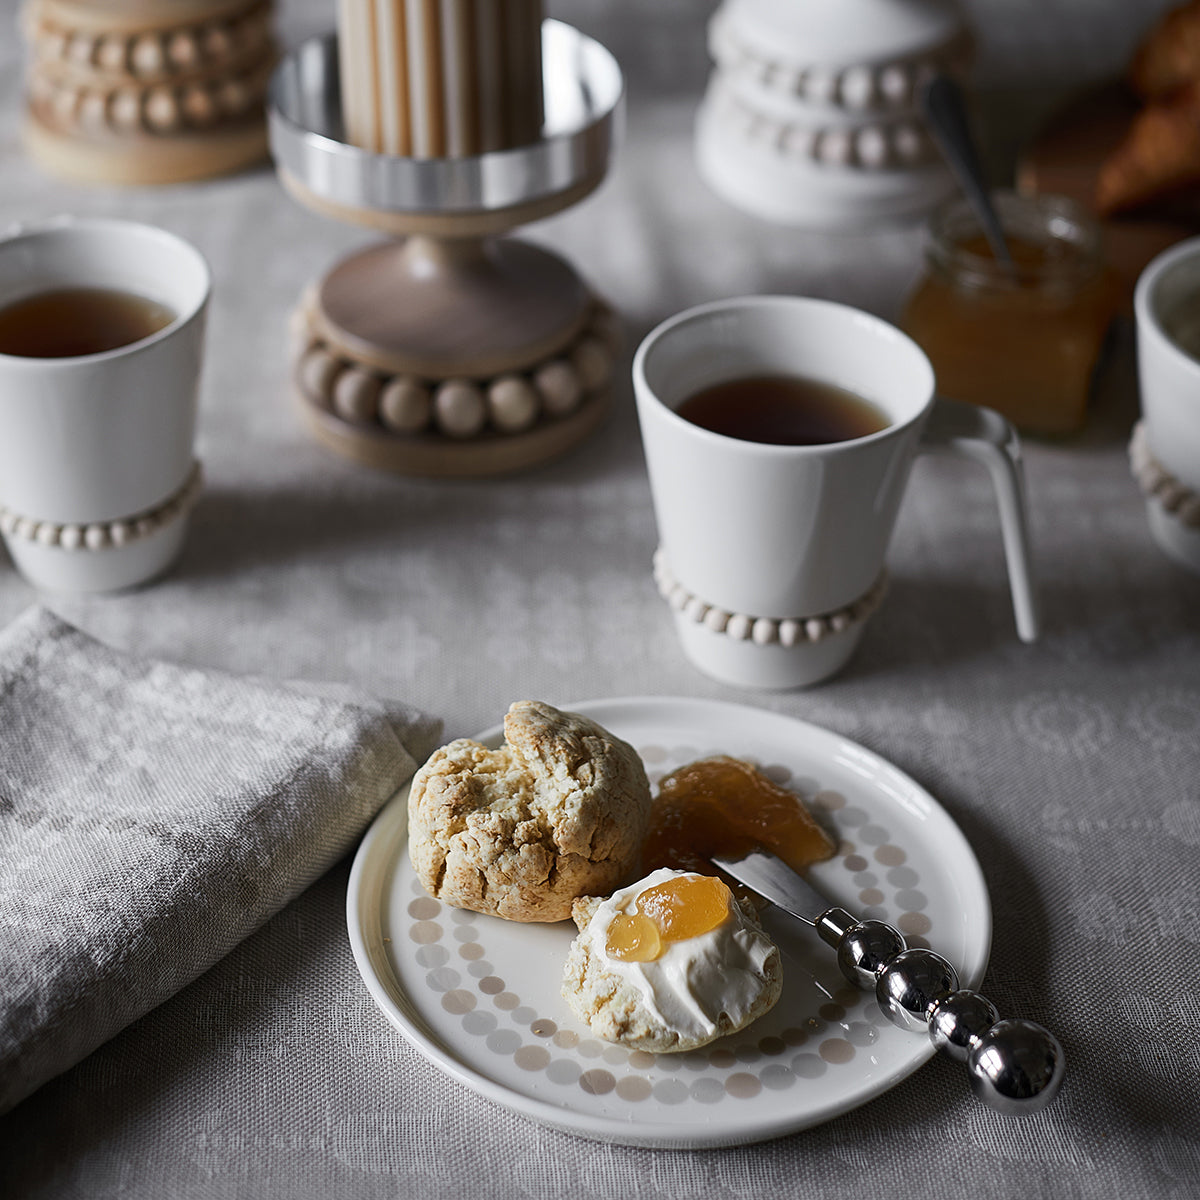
x,y
440,78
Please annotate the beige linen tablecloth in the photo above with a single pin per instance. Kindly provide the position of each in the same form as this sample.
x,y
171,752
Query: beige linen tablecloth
x,y
1073,766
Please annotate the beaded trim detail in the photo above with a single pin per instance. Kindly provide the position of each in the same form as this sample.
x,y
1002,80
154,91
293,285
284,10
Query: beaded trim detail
x,y
861,87
166,81
459,409
163,109
1159,484
154,53
765,631
875,145
105,535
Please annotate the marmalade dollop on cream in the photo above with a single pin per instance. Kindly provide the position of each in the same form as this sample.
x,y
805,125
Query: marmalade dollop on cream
x,y
681,908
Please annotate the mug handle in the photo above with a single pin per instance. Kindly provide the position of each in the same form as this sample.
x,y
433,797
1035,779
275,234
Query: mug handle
x,y
982,434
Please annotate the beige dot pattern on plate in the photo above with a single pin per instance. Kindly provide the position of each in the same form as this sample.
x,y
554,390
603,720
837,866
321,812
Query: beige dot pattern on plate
x,y
458,1002
836,1050
597,1083
743,1085
913,922
633,1088
532,1058
762,1063
829,801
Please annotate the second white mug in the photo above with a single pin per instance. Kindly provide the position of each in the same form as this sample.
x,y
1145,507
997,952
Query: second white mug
x,y
97,467
773,555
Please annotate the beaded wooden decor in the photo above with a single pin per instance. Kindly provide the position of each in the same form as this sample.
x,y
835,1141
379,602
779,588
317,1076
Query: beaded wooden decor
x,y
451,351
147,91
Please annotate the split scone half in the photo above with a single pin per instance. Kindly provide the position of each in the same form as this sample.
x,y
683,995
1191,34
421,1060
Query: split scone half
x,y
558,811
670,964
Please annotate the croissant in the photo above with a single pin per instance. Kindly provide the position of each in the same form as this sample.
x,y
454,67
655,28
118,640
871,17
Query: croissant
x,y
1169,56
1159,154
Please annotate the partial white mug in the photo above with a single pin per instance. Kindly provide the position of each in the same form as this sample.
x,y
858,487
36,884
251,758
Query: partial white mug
x,y
1166,446
773,555
97,467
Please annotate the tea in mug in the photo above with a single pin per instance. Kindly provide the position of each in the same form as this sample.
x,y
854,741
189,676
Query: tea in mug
x,y
783,410
67,322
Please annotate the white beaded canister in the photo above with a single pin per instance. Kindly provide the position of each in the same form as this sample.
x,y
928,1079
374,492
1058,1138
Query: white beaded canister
x,y
812,114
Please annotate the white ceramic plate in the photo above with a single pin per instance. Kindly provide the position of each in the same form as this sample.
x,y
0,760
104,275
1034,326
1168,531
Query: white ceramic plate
x,y
479,996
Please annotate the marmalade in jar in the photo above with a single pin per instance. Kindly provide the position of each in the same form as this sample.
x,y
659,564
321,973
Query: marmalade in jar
x,y
723,805
1025,339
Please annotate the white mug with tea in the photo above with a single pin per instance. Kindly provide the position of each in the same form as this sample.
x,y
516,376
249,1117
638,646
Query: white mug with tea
x,y
101,337
779,433
1166,446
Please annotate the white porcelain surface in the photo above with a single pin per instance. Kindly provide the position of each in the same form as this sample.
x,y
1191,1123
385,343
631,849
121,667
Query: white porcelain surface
x,y
843,31
746,664
1166,305
759,177
100,437
790,531
812,118
479,996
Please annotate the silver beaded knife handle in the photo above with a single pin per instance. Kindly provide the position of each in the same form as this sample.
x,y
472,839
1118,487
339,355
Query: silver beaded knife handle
x,y
1013,1065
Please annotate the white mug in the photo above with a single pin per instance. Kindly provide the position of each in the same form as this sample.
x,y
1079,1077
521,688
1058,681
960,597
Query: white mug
x,y
773,555
97,471
1166,448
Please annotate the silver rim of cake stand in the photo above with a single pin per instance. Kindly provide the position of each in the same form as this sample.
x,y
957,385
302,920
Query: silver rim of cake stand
x,y
583,94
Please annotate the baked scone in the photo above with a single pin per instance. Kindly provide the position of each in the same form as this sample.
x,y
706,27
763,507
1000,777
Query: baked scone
x,y
1168,57
558,811
1157,157
638,976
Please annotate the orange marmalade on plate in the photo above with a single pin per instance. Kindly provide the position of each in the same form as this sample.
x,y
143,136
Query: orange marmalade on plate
x,y
1025,339
723,805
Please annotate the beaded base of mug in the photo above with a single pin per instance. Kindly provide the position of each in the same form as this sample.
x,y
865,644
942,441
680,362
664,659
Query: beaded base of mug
x,y
1157,483
765,631
105,535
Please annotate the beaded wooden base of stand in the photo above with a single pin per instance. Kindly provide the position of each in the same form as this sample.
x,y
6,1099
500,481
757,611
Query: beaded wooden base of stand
x,y
127,93
482,375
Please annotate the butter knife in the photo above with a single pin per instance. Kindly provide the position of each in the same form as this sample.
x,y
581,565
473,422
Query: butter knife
x,y
1014,1066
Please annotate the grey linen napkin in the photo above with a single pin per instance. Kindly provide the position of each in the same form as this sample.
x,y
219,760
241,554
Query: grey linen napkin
x,y
151,817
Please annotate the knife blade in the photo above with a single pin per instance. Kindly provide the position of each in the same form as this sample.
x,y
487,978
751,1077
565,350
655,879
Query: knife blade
x,y
1014,1065
769,876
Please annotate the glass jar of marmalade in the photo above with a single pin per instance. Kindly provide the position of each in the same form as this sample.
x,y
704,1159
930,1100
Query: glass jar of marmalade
x,y
1022,339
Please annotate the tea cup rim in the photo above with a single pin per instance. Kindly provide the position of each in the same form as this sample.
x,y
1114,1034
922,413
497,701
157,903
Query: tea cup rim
x,y
1148,320
894,427
64,222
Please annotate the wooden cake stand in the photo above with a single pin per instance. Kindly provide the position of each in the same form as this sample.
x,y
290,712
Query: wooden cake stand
x,y
144,91
451,351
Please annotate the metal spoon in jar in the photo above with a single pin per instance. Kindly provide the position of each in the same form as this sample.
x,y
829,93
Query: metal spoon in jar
x,y
945,111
